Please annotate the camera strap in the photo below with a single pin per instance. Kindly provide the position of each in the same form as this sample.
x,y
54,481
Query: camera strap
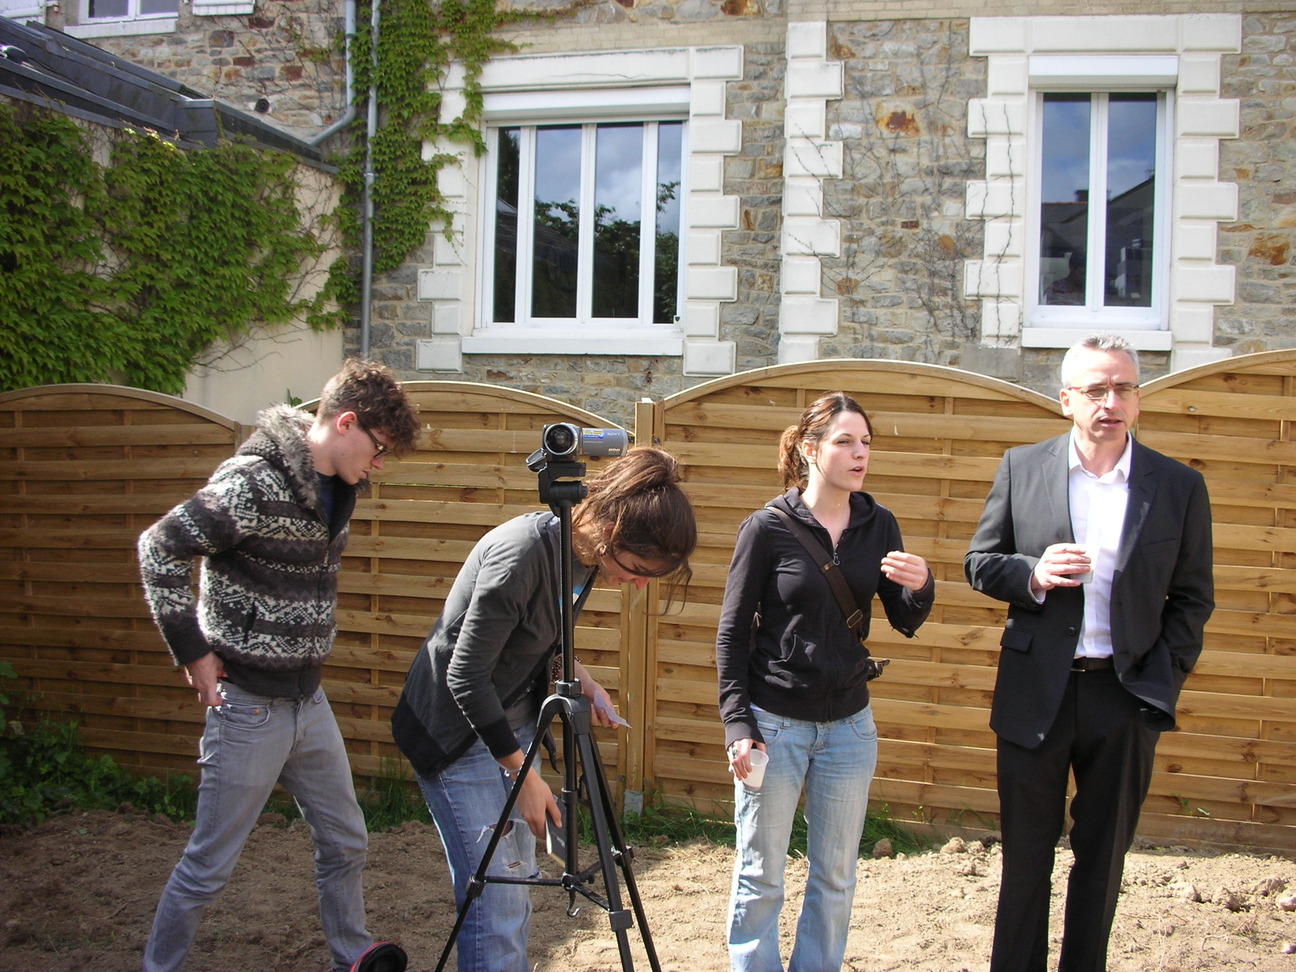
x,y
823,558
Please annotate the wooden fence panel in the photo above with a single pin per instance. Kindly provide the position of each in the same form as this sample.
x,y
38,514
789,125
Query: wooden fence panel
x,y
88,467
85,468
1230,770
939,434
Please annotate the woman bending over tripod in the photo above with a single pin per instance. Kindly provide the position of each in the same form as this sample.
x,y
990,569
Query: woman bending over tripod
x,y
472,698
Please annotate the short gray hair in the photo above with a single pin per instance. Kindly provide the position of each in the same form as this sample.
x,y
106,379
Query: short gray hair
x,y
1097,342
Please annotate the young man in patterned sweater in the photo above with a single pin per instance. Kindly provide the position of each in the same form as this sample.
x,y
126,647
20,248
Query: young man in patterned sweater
x,y
270,527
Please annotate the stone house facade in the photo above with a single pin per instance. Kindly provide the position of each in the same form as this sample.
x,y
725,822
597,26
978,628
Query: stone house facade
x,y
844,178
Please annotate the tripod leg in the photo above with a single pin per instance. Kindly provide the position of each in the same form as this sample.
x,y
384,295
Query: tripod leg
x,y
612,855
462,802
595,778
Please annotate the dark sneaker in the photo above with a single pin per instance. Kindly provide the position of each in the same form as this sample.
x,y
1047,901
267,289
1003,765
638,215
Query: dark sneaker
x,y
381,957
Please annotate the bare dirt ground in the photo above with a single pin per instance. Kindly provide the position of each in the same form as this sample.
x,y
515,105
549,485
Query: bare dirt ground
x,y
78,892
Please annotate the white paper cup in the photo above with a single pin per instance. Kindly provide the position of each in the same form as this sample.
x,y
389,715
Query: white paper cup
x,y
1091,551
759,760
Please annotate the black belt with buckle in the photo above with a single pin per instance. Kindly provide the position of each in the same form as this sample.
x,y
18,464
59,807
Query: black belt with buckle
x,y
1090,664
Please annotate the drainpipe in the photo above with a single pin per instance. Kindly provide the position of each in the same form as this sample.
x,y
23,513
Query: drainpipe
x,y
349,19
366,269
371,129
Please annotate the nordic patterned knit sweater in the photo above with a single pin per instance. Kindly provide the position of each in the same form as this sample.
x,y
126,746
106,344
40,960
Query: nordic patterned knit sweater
x,y
268,586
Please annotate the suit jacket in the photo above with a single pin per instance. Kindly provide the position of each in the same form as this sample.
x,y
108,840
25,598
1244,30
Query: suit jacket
x,y
1162,590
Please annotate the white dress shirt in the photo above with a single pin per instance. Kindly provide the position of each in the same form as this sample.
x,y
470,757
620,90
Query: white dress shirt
x,y
1097,518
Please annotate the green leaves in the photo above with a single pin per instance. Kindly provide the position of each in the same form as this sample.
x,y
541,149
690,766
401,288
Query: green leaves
x,y
126,273
417,42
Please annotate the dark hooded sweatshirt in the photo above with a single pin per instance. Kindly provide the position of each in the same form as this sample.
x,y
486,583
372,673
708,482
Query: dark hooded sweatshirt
x,y
802,661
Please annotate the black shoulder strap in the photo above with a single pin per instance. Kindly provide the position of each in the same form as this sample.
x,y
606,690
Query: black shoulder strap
x,y
822,556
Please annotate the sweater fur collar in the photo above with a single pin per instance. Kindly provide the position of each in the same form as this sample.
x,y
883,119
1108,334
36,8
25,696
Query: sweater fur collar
x,y
280,439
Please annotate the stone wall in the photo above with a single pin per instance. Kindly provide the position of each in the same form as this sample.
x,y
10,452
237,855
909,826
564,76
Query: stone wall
x,y
756,177
1262,161
902,122
907,157
283,62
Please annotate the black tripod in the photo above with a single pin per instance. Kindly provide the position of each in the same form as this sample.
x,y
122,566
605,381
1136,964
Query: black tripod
x,y
561,488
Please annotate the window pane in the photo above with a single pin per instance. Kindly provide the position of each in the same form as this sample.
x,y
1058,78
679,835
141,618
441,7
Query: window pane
x,y
618,210
159,6
1064,213
506,224
108,8
670,148
1131,179
557,221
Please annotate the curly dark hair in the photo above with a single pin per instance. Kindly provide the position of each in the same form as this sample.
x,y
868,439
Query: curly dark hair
x,y
373,393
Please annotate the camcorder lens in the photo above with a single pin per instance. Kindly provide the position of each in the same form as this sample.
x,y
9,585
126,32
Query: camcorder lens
x,y
560,440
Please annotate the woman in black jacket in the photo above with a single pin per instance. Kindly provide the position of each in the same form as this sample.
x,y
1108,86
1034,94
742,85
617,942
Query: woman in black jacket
x,y
795,684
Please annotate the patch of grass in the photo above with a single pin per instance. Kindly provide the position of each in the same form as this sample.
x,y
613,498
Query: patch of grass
x,y
392,799
660,824
43,769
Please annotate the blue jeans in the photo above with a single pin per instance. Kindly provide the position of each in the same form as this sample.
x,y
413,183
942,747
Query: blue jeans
x,y
835,762
251,743
466,799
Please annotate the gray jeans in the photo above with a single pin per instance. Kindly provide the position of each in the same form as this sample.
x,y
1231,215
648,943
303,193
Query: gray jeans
x,y
250,744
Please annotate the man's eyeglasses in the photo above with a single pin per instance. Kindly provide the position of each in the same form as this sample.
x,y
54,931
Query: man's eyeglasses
x,y
380,450
1099,393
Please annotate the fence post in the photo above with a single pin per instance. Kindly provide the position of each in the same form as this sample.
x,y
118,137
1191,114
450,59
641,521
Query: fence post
x,y
639,653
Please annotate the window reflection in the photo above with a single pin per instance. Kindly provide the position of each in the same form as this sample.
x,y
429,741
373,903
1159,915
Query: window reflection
x,y
506,224
1131,179
557,222
1074,127
618,188
588,255
670,147
1064,215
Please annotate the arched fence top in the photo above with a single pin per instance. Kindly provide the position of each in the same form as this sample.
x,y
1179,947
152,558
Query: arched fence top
x,y
45,393
853,368
531,401
1272,362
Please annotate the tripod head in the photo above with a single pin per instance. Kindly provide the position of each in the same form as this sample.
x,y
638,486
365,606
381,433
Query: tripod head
x,y
560,481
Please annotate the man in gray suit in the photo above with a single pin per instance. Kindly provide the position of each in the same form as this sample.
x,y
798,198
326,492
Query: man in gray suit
x,y
1089,669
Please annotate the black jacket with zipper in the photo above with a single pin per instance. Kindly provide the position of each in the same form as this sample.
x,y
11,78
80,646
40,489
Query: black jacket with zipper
x,y
802,661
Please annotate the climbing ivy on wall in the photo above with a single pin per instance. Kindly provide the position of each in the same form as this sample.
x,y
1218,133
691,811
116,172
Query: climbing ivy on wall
x,y
418,40
127,272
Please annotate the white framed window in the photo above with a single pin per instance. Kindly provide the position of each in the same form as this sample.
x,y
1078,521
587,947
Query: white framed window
x,y
108,18
585,237
22,9
592,224
1102,156
1098,230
